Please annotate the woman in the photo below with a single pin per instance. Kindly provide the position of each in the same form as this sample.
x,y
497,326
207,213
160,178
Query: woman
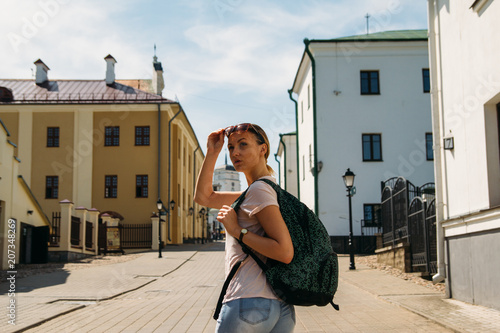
x,y
249,305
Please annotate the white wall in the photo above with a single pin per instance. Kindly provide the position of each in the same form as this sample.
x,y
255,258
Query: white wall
x,y
401,114
288,163
470,90
306,130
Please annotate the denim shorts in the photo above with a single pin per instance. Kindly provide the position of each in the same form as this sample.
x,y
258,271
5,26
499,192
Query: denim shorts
x,y
256,315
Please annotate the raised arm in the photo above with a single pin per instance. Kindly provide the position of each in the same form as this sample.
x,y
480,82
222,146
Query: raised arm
x,y
204,193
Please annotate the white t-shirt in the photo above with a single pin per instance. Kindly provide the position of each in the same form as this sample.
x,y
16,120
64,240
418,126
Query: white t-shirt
x,y
250,281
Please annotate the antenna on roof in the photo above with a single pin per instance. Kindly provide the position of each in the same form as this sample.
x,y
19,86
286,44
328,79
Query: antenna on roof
x,y
155,58
367,16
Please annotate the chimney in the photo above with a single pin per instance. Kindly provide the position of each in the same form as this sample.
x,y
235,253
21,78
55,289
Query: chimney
x,y
158,83
110,69
41,72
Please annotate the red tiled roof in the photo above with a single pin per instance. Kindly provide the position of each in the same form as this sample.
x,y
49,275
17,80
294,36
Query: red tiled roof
x,y
77,92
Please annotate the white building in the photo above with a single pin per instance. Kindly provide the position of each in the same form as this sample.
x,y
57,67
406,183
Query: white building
x,y
286,156
464,55
362,103
226,178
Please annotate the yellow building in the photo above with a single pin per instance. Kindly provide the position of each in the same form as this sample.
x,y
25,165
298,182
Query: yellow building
x,y
105,144
21,217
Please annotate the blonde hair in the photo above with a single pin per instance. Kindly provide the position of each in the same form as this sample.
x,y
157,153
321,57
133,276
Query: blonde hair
x,y
261,134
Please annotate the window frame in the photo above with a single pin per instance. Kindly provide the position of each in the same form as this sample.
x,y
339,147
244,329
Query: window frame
x,y
370,90
54,187
108,189
53,140
371,135
426,79
376,216
139,188
113,137
141,138
429,150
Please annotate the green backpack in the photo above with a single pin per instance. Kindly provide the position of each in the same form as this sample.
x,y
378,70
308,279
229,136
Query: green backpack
x,y
311,278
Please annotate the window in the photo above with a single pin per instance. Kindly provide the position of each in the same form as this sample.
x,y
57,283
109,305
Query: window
x,y
369,83
426,79
310,158
110,186
372,147
302,111
428,147
308,96
189,164
112,136
141,186
303,167
142,135
372,214
51,187
52,136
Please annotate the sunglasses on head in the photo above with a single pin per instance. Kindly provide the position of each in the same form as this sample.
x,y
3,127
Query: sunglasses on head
x,y
242,128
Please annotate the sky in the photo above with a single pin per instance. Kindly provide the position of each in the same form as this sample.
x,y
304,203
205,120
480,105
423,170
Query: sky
x,y
225,61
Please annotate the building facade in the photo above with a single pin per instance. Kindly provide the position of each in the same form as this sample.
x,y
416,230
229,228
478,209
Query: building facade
x,y
22,219
286,156
107,145
466,125
363,103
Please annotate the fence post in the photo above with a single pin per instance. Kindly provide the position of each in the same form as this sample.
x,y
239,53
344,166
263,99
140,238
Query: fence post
x,y
65,234
154,237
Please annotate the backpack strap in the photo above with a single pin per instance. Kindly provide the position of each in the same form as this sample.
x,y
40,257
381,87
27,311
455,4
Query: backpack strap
x,y
236,205
225,286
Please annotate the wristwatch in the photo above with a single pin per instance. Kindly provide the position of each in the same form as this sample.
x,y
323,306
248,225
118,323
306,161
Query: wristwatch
x,y
243,232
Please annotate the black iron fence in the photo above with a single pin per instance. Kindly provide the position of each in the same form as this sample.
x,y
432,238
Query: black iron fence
x,y
75,231
89,235
409,216
131,236
55,233
136,235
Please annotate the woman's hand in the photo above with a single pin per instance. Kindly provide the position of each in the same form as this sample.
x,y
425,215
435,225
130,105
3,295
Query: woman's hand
x,y
228,217
215,141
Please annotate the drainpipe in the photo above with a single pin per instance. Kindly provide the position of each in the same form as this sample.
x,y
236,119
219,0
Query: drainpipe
x,y
290,91
315,140
279,168
194,184
438,131
159,150
284,162
170,167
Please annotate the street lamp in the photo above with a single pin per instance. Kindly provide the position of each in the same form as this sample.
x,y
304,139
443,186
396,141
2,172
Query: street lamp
x,y
349,182
160,206
201,215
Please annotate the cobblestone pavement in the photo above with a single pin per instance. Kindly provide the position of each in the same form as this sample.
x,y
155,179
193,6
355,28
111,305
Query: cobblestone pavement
x,y
178,293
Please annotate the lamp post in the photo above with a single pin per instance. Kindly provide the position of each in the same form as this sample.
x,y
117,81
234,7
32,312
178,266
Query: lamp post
x,y
201,215
349,182
160,206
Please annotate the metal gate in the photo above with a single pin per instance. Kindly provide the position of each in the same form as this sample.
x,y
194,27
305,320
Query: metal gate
x,y
386,215
422,228
430,221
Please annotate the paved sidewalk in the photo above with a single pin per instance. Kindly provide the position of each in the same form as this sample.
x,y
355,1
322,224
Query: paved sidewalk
x,y
178,293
